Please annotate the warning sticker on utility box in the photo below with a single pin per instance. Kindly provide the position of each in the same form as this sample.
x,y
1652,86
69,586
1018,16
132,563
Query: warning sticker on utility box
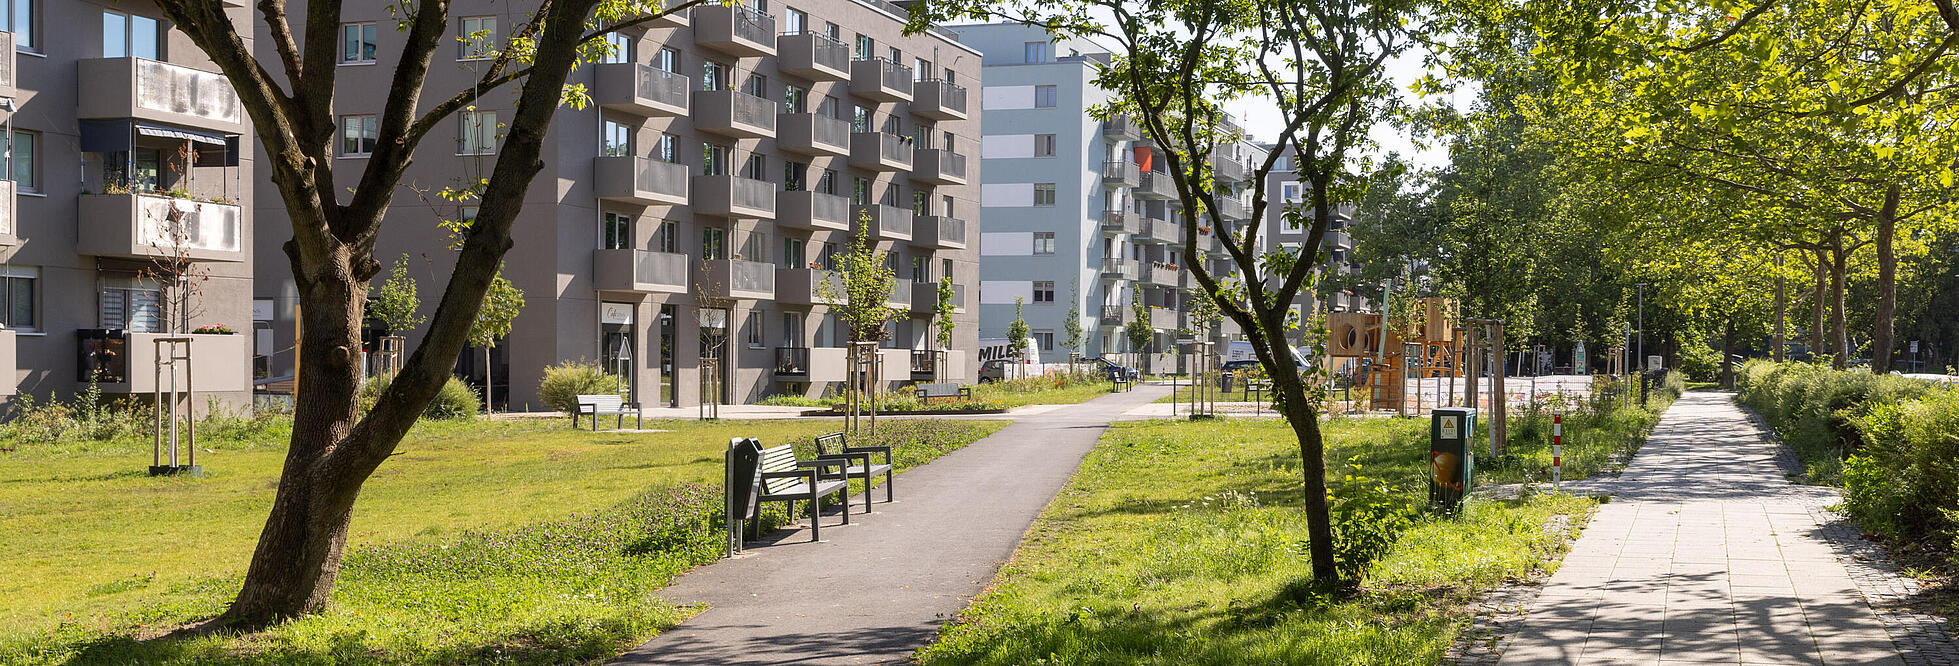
x,y
1449,430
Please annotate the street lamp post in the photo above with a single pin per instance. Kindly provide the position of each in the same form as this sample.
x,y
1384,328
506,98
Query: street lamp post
x,y
1642,326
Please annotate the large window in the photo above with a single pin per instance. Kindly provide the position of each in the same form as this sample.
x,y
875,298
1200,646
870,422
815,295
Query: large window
x,y
795,176
23,171
714,243
19,17
1045,97
1045,338
1044,194
357,43
17,297
1036,52
128,35
479,133
478,37
132,304
1043,292
1043,243
667,238
618,47
860,191
793,253
794,99
794,21
668,150
357,136
616,139
714,159
1044,145
864,47
714,75
617,232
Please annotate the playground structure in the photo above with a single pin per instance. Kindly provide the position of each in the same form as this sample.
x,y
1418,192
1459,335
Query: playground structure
x,y
1388,355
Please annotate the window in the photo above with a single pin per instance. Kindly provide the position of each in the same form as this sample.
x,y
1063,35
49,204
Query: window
x,y
827,184
17,297
947,77
356,136
479,37
1044,194
795,176
668,148
864,47
714,160
794,21
618,47
860,120
794,99
668,61
1045,338
921,69
714,243
756,85
1043,243
616,140
860,191
667,238
1044,145
752,333
945,206
356,43
833,31
616,232
945,267
479,133
714,75
921,202
128,35
132,304
921,269
829,257
23,171
19,19
1045,97
757,167
793,253
1036,52
792,330
894,55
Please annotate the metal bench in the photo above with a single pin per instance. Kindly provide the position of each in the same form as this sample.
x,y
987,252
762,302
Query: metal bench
x,y
858,463
789,480
926,392
1120,381
609,405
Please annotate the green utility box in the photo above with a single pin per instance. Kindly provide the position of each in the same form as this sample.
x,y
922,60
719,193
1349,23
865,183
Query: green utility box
x,y
1452,463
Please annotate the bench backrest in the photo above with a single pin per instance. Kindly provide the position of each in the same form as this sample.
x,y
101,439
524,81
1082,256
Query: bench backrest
x,y
830,444
601,402
779,459
943,389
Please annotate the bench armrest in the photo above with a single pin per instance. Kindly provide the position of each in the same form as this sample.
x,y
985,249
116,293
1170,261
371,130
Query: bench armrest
x,y
848,456
822,463
804,474
629,405
586,408
886,450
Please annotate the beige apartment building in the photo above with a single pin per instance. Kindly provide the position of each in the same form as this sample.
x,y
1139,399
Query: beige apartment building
x,y
696,206
126,212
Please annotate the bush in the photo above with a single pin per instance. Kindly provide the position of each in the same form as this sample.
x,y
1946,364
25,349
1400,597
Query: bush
x,y
564,382
456,400
1368,516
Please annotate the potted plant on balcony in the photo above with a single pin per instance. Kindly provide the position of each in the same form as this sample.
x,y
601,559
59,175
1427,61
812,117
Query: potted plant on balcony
x,y
213,329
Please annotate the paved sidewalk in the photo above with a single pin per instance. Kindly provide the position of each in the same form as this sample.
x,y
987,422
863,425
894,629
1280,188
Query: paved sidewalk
x,y
1707,555
879,589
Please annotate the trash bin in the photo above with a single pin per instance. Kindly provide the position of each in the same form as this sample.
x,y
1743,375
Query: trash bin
x,y
1224,381
743,485
1452,462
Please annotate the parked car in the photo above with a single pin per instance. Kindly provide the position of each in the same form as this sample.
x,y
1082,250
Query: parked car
x,y
991,370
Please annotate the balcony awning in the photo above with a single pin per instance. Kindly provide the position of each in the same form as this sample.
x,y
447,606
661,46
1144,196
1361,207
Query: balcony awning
x,y
115,136
195,136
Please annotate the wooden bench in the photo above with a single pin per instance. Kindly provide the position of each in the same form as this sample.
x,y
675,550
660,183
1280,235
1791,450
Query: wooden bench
x,y
858,463
926,392
789,480
606,404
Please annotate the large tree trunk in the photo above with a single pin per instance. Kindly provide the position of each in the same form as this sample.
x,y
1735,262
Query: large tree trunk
x,y
1887,283
1819,303
1839,335
1305,424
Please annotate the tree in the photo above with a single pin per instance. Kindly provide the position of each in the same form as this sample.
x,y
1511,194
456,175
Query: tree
x,y
1017,333
397,304
1138,331
500,307
866,279
335,224
1071,329
942,318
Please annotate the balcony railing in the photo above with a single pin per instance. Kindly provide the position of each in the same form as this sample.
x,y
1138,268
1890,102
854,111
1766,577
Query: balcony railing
x,y
734,196
112,88
734,29
925,297
1227,169
7,362
937,166
1114,315
1339,240
6,216
1121,222
639,89
939,232
812,134
813,56
1161,231
639,180
125,362
812,211
939,100
1162,274
1119,269
1121,128
1163,319
881,80
924,363
1155,185
7,85
898,295
792,361
640,271
734,113
1119,173
143,226
737,279
880,151
797,285
887,223
1230,208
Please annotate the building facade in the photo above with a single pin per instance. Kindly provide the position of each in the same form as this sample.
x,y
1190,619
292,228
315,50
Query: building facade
x,y
126,215
1080,214
1284,189
685,222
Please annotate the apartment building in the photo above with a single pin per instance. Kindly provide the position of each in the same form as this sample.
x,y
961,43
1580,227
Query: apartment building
x,y
1080,214
695,209
126,214
1283,189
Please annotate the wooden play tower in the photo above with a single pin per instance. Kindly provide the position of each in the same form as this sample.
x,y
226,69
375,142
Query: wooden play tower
x,y
1429,347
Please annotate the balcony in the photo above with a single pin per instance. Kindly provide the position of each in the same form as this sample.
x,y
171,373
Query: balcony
x,y
734,113
898,295
924,364
734,196
123,362
813,56
1121,128
1227,169
1121,223
887,223
1157,231
1339,240
1155,185
1231,209
641,181
943,233
939,100
804,286
812,134
143,226
640,271
1114,315
678,19
736,279
641,90
735,30
7,363
880,80
1119,173
1341,301
806,364
879,151
7,86
8,234
1119,269
812,211
938,166
111,88
925,298
1163,319
1163,275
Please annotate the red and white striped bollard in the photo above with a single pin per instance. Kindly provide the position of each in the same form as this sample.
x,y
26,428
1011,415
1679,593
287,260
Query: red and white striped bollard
x,y
1557,449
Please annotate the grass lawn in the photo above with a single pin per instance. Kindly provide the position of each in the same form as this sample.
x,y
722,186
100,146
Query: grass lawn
x,y
517,541
1033,392
1238,393
1183,543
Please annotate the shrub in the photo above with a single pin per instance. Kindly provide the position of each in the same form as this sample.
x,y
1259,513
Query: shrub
x,y
456,400
564,382
1368,516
